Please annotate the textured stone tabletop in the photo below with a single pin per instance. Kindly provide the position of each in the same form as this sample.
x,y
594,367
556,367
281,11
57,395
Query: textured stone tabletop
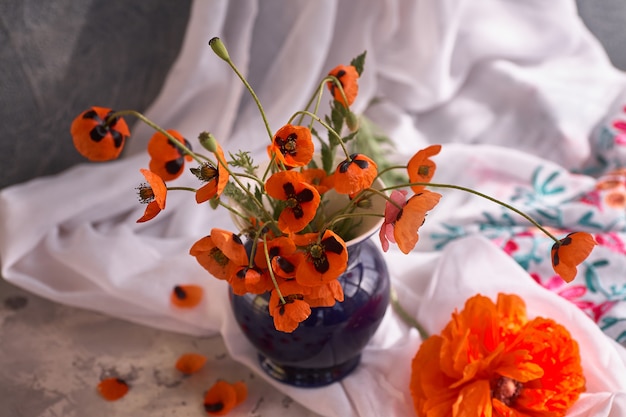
x,y
53,356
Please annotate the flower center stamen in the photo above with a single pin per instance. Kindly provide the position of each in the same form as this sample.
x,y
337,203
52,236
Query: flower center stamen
x,y
506,390
146,194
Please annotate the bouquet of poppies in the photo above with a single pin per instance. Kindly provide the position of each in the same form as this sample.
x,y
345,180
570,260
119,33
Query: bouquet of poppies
x,y
288,242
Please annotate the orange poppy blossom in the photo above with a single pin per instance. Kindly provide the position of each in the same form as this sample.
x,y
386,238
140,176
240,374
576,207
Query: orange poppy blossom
x,y
94,138
215,175
421,168
154,194
167,159
321,259
292,146
348,76
302,200
220,253
491,359
569,252
318,178
223,396
324,295
411,217
112,389
289,314
186,296
250,279
355,174
282,255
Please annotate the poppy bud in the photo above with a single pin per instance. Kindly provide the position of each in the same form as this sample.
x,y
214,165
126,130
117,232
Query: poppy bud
x,y
208,142
352,121
218,47
364,203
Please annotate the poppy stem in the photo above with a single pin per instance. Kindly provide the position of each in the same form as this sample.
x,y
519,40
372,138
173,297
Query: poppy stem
x,y
242,186
485,196
270,270
326,126
193,190
156,127
338,84
318,94
405,316
254,96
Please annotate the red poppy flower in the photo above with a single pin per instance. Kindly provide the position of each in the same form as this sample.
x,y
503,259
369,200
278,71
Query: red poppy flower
x,y
292,146
392,211
321,260
411,218
572,250
154,193
301,200
491,360
355,174
96,140
220,253
112,389
223,396
167,159
421,168
349,79
186,296
295,310
317,178
189,363
215,175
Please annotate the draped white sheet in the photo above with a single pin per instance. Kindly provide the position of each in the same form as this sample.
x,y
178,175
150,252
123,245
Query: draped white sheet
x,y
509,88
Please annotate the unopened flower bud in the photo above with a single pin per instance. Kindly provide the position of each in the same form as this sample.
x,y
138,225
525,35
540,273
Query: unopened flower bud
x,y
218,47
352,121
208,142
364,203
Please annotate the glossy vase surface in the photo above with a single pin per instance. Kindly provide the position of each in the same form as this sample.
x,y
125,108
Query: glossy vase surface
x,y
327,346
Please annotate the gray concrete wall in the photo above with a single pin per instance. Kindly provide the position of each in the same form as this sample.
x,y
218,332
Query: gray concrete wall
x,y
58,57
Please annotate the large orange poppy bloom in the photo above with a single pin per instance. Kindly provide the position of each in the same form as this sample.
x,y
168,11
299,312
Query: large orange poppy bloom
x,y
421,168
572,250
348,76
287,316
215,175
292,145
355,174
321,259
491,360
166,158
220,253
95,141
411,218
301,199
154,194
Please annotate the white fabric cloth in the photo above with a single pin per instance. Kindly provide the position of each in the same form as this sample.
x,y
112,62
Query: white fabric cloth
x,y
524,79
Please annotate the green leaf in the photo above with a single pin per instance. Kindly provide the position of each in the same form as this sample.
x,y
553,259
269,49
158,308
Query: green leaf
x,y
359,63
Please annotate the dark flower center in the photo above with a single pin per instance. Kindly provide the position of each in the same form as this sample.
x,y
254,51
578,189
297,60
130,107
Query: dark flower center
x,y
146,194
218,256
288,145
506,390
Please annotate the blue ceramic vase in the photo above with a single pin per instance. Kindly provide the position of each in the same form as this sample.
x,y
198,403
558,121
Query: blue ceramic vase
x,y
327,346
